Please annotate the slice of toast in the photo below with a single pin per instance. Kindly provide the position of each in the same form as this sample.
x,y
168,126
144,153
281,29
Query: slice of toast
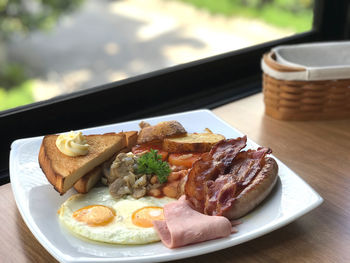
x,y
89,180
64,171
84,184
192,142
131,139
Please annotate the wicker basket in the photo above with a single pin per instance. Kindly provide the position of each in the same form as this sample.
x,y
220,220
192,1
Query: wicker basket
x,y
302,99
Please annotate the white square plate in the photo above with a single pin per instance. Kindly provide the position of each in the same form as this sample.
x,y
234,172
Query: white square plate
x,y
38,202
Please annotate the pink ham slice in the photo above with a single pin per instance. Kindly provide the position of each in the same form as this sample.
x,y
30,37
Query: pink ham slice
x,y
184,225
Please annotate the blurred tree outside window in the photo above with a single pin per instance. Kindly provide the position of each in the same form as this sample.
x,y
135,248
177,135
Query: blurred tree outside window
x,y
54,47
23,17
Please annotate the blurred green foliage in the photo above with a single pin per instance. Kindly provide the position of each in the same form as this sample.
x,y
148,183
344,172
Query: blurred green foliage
x,y
12,75
292,14
18,95
21,17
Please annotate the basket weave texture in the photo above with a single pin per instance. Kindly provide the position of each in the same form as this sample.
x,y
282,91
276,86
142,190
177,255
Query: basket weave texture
x,y
304,100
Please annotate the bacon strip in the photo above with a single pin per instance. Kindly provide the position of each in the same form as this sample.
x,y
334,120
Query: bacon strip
x,y
247,164
222,192
209,167
222,188
226,150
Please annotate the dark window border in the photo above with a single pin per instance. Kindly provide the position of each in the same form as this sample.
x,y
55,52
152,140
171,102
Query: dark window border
x,y
205,83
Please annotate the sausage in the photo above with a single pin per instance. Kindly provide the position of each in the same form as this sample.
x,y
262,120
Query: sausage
x,y
255,192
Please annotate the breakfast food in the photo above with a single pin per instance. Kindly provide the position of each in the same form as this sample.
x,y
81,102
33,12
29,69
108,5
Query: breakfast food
x,y
160,131
202,180
229,182
192,142
177,230
255,192
63,171
123,178
89,180
100,217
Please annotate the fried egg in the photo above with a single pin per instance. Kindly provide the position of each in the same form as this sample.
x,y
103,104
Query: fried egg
x,y
100,217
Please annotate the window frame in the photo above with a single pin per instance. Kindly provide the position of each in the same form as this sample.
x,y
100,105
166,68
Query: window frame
x,y
206,83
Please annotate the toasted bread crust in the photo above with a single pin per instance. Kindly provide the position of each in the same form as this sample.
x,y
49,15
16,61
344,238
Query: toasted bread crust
x,y
256,191
84,184
45,165
192,142
63,171
89,180
131,139
160,131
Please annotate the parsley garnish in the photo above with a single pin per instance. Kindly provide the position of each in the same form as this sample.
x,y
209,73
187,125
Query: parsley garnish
x,y
151,163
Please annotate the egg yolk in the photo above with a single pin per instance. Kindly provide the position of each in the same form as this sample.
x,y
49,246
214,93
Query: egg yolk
x,y
143,217
95,215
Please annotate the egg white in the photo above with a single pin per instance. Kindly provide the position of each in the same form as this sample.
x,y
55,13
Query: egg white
x,y
121,230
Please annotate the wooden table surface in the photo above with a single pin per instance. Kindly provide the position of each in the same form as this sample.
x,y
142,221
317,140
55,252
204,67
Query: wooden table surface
x,y
319,151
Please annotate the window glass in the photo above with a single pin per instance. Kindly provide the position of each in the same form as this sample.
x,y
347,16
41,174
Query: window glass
x,y
49,48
